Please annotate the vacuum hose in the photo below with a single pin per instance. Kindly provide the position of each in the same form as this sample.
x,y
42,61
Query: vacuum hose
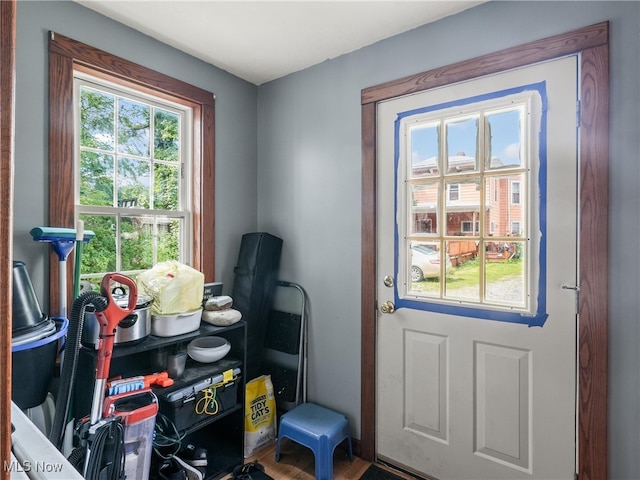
x,y
69,362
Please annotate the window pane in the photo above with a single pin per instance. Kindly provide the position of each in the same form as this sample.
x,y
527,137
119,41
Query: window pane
x,y
424,150
462,145
424,208
504,131
99,254
169,231
424,223
166,194
96,119
505,273
424,268
462,251
517,207
501,211
96,179
136,235
166,136
463,279
133,128
463,208
134,177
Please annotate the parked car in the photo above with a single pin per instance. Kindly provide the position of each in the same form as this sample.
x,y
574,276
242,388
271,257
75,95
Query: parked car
x,y
425,261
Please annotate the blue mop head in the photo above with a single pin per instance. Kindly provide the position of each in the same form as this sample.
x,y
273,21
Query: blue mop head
x,y
57,234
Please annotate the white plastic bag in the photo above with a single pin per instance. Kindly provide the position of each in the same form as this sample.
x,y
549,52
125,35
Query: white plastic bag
x,y
174,287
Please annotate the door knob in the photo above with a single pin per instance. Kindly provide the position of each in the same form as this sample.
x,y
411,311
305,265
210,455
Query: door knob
x,y
387,307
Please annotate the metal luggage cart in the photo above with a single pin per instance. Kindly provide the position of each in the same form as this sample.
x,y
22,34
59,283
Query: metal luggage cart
x,y
285,347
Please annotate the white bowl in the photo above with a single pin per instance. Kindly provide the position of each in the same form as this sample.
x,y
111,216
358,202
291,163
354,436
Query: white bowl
x,y
208,349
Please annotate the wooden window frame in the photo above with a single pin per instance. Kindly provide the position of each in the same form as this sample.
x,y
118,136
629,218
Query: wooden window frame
x,y
66,56
592,44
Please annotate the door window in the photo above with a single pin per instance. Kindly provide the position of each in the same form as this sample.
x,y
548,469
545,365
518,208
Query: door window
x,y
470,190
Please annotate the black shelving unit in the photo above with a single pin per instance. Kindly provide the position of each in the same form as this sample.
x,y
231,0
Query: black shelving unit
x,y
221,434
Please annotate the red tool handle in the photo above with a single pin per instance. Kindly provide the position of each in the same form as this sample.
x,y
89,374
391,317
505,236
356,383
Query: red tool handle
x,y
110,317
162,379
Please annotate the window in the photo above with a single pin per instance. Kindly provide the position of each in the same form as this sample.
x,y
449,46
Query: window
x,y
467,227
480,155
170,99
454,192
133,165
515,193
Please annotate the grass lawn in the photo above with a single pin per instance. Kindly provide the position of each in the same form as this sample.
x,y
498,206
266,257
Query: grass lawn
x,y
467,275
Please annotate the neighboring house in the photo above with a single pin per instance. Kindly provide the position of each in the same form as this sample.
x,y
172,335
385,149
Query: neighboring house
x,y
503,198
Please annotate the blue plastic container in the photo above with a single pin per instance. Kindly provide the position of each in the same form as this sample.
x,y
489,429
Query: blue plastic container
x,y
32,367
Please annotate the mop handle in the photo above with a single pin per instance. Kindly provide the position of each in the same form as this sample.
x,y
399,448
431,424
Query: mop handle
x,y
78,261
62,282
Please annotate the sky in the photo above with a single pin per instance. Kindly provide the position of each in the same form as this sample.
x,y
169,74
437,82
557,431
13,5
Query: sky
x,y
505,138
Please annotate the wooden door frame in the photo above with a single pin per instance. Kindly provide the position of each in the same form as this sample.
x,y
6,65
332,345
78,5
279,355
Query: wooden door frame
x,y
592,43
7,103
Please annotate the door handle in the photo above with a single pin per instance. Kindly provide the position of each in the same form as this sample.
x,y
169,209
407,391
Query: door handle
x,y
388,307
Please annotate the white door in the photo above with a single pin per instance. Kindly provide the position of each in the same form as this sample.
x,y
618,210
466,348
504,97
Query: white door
x,y
476,271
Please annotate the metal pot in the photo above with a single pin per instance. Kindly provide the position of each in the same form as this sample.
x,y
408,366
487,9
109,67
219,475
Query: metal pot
x,y
133,328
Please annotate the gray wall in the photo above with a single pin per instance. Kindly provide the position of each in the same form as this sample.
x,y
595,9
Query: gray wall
x,y
309,170
236,121
288,161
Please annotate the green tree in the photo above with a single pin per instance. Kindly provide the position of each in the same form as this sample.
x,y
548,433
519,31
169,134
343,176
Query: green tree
x,y
98,112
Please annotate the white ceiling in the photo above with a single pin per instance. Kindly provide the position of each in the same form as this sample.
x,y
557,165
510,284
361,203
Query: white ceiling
x,y
263,40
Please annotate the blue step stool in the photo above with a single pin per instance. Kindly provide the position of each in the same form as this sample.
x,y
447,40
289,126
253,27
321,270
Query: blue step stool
x,y
319,429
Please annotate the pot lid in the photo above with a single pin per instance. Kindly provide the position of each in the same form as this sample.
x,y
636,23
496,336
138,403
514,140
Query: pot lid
x,y
122,299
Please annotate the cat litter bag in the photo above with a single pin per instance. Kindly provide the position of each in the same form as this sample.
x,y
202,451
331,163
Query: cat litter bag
x,y
260,421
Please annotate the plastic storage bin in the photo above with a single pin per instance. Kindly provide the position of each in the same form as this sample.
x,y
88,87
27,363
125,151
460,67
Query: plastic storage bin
x,y
32,367
177,324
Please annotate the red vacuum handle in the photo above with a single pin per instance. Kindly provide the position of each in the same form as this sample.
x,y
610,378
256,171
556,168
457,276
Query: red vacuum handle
x,y
105,290
110,317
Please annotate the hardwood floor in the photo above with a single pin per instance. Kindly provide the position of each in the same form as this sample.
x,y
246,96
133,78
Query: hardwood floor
x,y
298,463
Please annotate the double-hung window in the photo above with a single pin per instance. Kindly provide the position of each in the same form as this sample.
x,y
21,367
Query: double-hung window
x,y
132,165
131,152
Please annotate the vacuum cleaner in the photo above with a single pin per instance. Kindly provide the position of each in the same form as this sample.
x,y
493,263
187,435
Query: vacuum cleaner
x,y
101,454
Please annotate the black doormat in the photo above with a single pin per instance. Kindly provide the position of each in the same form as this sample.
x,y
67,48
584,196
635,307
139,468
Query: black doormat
x,y
376,473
